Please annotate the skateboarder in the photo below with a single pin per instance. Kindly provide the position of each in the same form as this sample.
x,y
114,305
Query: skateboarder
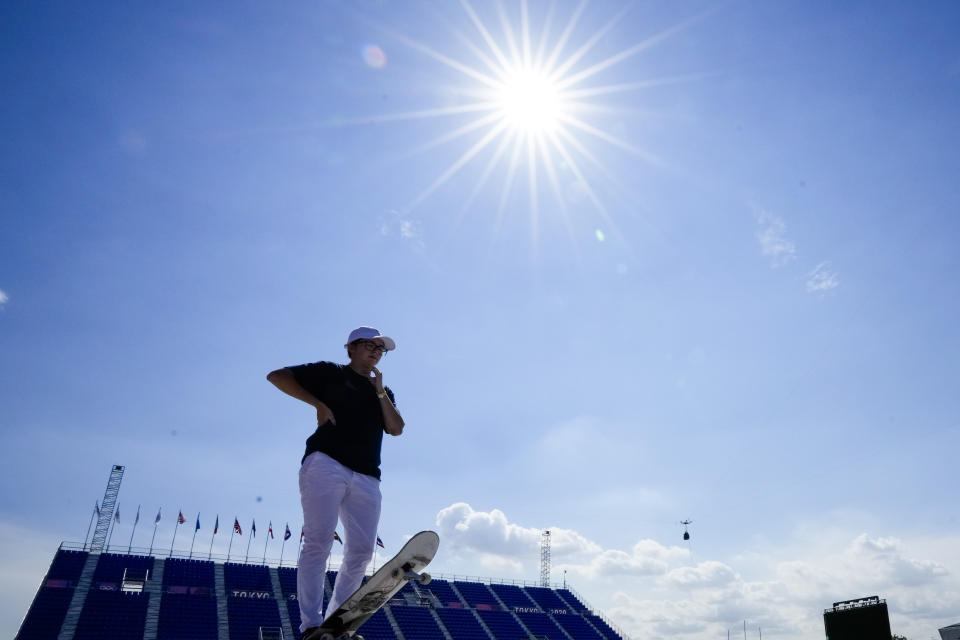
x,y
340,470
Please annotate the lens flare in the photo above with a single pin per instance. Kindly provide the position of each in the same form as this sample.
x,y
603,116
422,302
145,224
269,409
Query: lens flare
x,y
374,56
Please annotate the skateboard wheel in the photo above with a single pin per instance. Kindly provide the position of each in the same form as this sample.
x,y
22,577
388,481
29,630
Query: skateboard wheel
x,y
425,578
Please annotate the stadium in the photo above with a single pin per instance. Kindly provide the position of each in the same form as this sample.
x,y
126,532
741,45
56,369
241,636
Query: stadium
x,y
94,590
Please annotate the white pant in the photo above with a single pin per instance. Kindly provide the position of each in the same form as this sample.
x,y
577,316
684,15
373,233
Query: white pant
x,y
328,490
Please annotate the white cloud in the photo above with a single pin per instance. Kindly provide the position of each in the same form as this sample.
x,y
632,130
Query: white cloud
x,y
773,240
488,532
613,562
654,591
646,558
710,574
661,618
882,560
822,279
395,224
781,251
408,229
3,298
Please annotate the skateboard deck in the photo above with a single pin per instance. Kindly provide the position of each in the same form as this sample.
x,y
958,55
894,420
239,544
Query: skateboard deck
x,y
382,585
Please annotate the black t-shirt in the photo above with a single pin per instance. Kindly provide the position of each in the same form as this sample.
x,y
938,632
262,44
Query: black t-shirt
x,y
354,441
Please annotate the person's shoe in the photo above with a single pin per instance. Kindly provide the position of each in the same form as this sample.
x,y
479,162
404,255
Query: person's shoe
x,y
310,633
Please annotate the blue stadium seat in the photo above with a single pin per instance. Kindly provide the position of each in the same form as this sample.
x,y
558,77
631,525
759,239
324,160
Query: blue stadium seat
x,y
111,567
288,580
442,590
573,603
503,625
247,615
378,627
293,610
513,596
462,624
246,577
46,614
187,617
188,573
578,627
113,615
417,623
546,598
476,594
541,625
602,625
67,565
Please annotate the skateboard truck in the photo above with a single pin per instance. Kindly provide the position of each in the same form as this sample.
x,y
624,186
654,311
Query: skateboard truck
x,y
408,574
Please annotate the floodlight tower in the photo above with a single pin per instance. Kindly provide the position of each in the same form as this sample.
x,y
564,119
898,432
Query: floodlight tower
x,y
545,559
106,509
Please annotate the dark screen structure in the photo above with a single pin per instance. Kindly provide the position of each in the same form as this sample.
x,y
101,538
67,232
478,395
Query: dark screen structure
x,y
868,622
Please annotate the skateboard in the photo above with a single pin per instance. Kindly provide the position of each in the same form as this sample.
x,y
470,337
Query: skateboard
x,y
377,591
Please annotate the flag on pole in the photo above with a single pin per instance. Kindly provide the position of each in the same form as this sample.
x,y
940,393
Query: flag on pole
x,y
253,528
380,543
236,526
198,523
157,521
180,518
336,536
216,525
134,530
96,508
270,530
287,534
116,514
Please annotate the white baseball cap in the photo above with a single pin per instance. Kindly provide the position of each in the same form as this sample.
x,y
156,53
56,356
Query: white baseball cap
x,y
369,333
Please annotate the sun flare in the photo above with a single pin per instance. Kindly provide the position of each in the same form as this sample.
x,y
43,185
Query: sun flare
x,y
527,105
531,102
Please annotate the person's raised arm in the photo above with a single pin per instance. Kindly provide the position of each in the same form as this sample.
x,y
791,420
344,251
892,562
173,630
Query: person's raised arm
x,y
284,380
392,419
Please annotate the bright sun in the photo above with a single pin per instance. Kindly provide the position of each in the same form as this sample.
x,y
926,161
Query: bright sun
x,y
527,97
530,102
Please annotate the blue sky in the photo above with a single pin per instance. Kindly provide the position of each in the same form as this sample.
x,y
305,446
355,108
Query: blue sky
x,y
728,293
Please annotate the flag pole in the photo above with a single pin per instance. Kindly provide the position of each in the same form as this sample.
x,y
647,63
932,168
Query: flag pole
x,y
253,532
130,546
232,532
113,525
266,541
300,547
195,529
216,526
175,529
96,509
156,523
